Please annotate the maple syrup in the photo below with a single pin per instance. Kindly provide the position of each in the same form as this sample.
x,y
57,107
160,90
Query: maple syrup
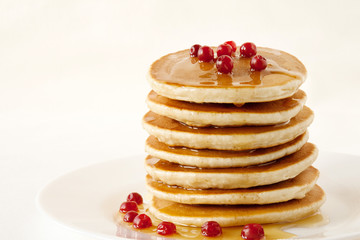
x,y
306,151
264,107
163,122
272,231
159,146
181,69
304,181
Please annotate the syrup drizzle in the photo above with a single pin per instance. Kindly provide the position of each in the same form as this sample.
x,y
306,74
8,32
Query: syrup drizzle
x,y
272,231
179,68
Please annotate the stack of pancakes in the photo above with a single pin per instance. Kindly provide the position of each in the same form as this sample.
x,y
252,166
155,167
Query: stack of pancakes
x,y
231,148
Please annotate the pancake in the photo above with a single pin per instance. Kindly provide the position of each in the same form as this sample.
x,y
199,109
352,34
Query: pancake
x,y
208,158
294,188
206,114
236,215
174,133
230,178
178,76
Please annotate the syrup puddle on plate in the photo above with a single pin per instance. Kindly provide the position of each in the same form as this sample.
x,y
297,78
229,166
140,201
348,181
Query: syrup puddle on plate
x,y
272,231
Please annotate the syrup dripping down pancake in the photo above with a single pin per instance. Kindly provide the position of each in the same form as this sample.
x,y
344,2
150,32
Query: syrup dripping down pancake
x,y
236,215
178,76
174,133
230,178
209,158
294,188
206,114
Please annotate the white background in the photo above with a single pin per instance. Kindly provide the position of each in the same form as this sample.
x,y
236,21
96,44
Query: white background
x,y
72,80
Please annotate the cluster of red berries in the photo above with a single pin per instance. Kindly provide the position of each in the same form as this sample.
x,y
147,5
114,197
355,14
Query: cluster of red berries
x,y
208,229
141,221
225,51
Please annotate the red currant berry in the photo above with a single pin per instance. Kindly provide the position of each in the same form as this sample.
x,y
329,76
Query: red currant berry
x,y
232,44
252,231
128,206
142,221
135,197
224,64
194,50
129,216
258,63
248,49
166,228
205,54
224,49
211,229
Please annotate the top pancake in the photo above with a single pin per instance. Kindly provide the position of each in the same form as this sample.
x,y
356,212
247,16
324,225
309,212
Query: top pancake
x,y
179,76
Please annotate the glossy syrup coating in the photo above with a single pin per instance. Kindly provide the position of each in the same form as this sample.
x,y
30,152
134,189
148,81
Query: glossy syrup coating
x,y
182,77
181,69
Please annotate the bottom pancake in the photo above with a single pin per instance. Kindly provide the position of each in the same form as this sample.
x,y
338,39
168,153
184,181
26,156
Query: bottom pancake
x,y
236,215
279,192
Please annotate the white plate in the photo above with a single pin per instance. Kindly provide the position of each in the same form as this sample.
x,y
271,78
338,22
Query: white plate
x,y
86,200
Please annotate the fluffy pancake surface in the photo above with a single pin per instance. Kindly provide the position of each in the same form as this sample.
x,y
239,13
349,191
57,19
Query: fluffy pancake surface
x,y
230,178
235,215
205,114
295,188
178,76
209,158
174,133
